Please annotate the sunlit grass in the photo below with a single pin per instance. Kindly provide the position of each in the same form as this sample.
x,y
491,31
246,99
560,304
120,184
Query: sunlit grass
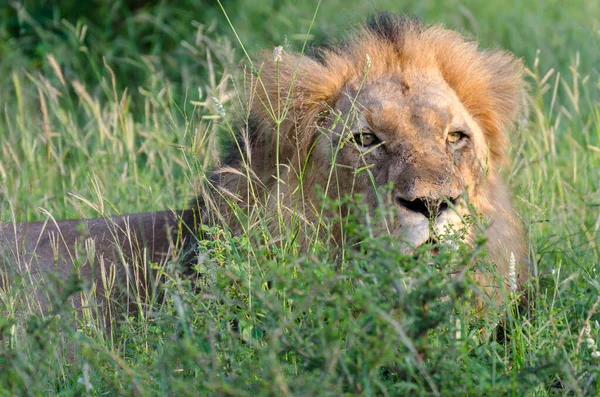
x,y
77,139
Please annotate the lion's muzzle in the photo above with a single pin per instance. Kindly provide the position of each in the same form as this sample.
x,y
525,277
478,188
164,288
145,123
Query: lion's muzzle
x,y
427,219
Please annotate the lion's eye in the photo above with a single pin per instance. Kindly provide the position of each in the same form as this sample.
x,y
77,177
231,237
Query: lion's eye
x,y
366,139
456,136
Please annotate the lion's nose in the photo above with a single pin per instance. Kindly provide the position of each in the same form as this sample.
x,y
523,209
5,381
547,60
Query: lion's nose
x,y
429,207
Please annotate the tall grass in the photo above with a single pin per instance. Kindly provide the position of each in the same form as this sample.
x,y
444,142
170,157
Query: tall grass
x,y
94,126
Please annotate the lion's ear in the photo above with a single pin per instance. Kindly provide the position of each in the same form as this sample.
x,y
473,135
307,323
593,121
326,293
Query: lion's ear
x,y
490,85
294,90
506,101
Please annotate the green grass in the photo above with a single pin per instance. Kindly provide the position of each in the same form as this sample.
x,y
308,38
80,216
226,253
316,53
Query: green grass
x,y
108,110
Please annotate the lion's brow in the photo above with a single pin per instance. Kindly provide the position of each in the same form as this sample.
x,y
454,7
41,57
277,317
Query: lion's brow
x,y
354,103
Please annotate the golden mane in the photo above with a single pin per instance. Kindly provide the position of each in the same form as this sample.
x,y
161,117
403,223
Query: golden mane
x,y
488,83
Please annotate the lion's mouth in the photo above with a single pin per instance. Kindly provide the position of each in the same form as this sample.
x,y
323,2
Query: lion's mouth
x,y
421,237
417,230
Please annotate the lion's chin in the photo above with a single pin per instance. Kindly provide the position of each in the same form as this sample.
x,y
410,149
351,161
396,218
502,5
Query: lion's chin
x,y
417,230
414,236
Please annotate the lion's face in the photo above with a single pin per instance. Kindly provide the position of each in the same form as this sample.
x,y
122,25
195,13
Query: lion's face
x,y
410,132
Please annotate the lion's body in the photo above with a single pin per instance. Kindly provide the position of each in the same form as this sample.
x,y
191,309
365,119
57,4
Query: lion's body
x,y
112,255
400,104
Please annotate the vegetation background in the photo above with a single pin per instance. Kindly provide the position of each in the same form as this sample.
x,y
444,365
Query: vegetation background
x,y
107,108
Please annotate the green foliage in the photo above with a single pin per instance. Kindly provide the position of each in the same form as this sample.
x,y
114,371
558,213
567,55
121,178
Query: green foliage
x,y
107,109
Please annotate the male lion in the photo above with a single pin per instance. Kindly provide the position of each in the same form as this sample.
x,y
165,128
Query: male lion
x,y
415,107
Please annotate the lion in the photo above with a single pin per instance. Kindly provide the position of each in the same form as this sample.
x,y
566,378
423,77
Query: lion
x,y
400,103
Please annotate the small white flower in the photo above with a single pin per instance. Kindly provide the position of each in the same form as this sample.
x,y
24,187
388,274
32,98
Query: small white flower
x,y
277,54
84,379
219,105
512,272
589,341
587,330
368,61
